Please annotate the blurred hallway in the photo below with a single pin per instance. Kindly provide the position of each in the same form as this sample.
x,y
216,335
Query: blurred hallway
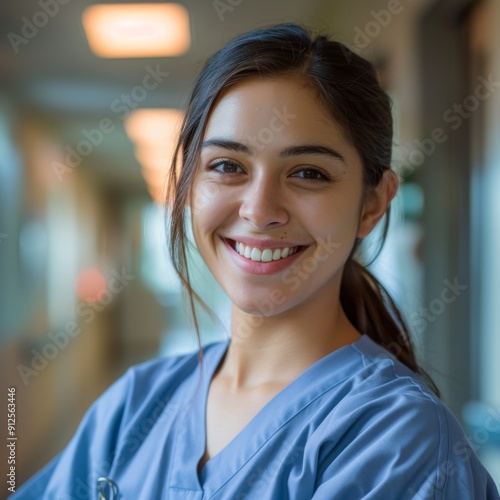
x,y
86,287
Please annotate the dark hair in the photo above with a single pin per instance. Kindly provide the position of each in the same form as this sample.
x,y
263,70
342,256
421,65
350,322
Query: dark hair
x,y
348,87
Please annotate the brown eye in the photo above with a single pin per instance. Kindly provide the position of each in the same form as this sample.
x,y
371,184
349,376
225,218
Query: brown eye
x,y
225,167
312,174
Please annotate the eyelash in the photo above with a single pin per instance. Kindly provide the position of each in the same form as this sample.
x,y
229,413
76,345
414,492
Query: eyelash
x,y
325,177
212,166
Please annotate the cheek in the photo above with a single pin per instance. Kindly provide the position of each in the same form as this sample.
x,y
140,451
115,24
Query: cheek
x,y
209,210
337,215
338,220
204,194
200,198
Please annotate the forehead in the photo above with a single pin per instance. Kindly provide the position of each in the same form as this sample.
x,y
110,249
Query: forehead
x,y
275,110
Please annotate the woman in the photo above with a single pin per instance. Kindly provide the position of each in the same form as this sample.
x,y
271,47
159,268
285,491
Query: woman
x,y
285,153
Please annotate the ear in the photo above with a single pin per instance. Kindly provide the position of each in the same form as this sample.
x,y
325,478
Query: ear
x,y
376,202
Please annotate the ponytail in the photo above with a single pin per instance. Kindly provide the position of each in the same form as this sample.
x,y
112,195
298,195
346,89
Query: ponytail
x,y
370,308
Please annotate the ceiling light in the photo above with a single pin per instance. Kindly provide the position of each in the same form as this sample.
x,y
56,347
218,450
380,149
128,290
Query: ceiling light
x,y
153,125
137,30
155,133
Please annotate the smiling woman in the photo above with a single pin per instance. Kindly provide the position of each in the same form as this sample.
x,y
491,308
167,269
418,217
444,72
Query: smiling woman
x,y
285,162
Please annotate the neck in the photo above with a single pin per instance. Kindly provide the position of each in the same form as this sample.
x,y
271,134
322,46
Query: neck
x,y
276,349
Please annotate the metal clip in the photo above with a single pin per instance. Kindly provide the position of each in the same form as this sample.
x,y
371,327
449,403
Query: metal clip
x,y
107,489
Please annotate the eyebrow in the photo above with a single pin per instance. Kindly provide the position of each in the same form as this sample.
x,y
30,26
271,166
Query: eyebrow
x,y
304,149
310,149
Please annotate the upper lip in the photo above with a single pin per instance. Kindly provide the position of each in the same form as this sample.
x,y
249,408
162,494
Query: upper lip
x,y
265,243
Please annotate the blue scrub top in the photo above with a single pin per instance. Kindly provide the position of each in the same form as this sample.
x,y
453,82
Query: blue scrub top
x,y
357,424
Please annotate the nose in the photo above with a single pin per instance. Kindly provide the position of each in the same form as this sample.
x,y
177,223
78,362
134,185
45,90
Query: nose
x,y
262,204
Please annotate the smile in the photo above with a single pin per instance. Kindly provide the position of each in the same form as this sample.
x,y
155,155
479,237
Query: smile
x,y
258,260
263,254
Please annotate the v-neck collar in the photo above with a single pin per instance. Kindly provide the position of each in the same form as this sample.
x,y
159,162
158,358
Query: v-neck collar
x,y
190,439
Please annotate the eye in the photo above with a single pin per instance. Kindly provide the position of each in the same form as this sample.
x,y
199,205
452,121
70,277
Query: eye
x,y
312,174
225,167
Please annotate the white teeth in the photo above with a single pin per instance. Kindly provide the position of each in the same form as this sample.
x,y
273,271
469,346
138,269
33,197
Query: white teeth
x,y
266,255
255,255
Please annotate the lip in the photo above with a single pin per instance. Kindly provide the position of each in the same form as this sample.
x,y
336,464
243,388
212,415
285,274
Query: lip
x,y
263,268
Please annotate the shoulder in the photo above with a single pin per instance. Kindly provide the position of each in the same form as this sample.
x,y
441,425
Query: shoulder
x,y
380,386
389,392
394,426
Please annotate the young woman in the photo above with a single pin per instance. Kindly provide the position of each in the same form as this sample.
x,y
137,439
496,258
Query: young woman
x,y
284,157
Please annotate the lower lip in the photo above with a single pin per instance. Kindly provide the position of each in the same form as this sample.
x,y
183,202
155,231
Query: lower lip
x,y
256,267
